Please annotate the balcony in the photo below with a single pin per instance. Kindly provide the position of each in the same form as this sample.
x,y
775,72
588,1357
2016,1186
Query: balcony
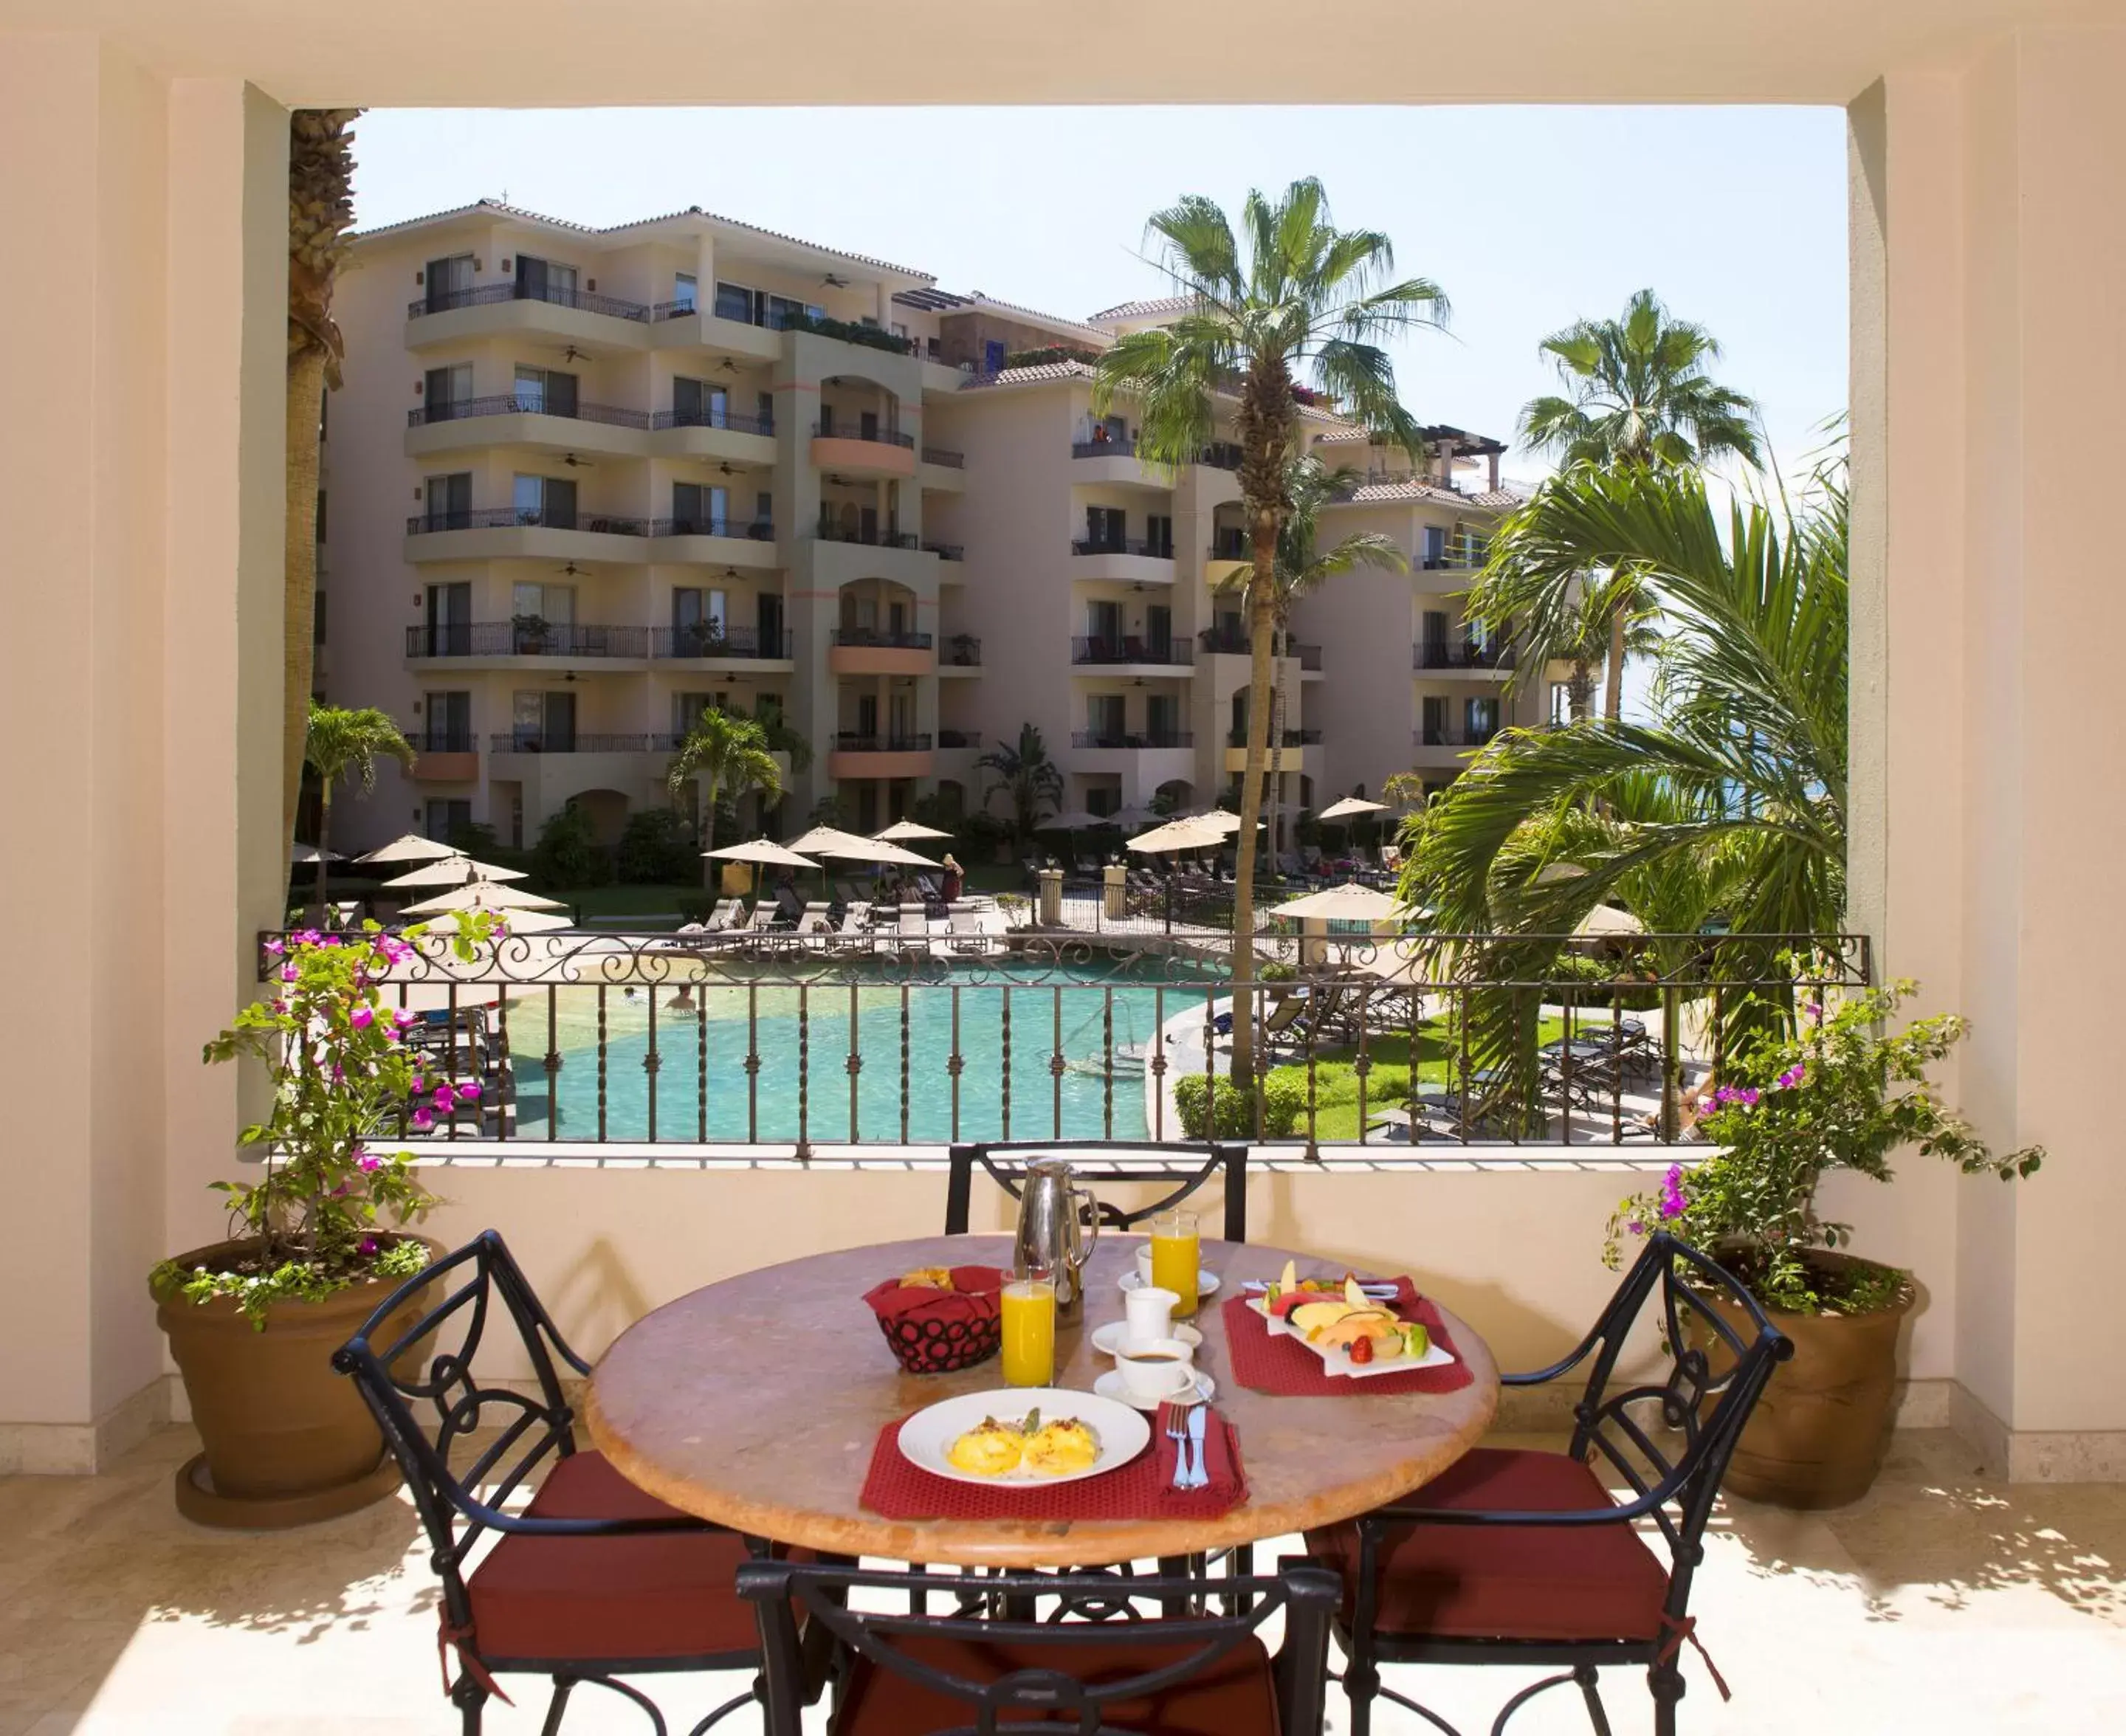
x,y
946,551
1236,642
1116,464
1293,739
1288,755
719,541
577,740
525,419
942,472
505,533
1439,657
962,654
713,434
829,531
1448,744
727,328
1129,561
1132,741
508,640
598,325
877,651
862,451
858,755
958,738
1158,656
708,643
444,757
944,460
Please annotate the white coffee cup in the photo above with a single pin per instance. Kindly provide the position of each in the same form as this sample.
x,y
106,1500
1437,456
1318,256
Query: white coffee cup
x,y
1144,1264
1159,1370
1149,1313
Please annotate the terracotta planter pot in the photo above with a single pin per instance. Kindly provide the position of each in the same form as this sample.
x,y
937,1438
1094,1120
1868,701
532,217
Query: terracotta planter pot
x,y
285,1439
1821,1430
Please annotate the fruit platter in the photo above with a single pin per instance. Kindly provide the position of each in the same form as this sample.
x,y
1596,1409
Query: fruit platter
x,y
1352,1327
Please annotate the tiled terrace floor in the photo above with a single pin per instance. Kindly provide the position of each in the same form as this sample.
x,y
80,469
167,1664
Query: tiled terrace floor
x,y
1941,1603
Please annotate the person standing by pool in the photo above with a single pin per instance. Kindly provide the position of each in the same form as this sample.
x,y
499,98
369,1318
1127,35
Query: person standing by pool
x,y
954,879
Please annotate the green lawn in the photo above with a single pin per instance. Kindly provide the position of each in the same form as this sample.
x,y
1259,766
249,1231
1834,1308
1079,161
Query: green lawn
x,y
1388,1078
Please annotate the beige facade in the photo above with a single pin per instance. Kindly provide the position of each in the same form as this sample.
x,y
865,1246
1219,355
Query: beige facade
x,y
581,484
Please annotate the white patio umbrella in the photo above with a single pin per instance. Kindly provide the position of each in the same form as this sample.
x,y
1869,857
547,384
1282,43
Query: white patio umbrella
x,y
1341,904
1607,919
875,850
1349,807
534,921
823,840
307,853
901,830
1202,832
1131,818
482,895
409,847
1072,820
764,851
455,870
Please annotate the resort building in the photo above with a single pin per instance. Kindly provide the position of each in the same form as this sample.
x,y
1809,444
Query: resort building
x,y
585,483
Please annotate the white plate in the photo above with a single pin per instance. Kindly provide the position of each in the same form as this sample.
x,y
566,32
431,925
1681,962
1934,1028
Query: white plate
x,y
1110,1385
1336,1360
1108,1339
1207,1283
927,1437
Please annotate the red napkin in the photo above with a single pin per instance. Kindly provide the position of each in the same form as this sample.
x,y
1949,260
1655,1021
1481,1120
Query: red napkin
x,y
1276,1362
1141,1489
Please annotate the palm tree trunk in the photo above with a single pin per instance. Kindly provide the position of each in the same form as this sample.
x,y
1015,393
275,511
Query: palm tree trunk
x,y
324,842
708,835
1613,698
1261,681
1579,691
1280,646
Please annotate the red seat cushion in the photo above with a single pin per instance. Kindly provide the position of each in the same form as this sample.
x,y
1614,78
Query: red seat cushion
x,y
660,1595
1492,1581
1234,1696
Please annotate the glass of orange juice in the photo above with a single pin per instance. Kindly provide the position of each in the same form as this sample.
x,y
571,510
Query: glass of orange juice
x,y
1028,1316
1176,1253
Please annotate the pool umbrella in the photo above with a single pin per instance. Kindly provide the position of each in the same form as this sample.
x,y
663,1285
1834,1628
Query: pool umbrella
x,y
309,853
482,895
822,840
901,831
875,850
1072,820
535,921
764,851
409,847
1202,832
455,870
1350,807
1341,904
1607,919
1131,818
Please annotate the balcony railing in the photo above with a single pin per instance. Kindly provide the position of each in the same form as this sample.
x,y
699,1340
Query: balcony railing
x,y
850,741
946,551
959,738
1230,546
1221,454
962,651
871,436
516,638
1175,652
576,741
754,530
444,301
1453,735
870,337
707,639
708,418
1132,738
1104,449
1433,653
939,456
443,741
548,518
1609,1063
1459,561
1123,546
1292,737
523,403
880,638
829,531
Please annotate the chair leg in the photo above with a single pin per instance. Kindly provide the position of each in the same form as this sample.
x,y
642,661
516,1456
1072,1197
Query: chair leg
x,y
1666,1683
1585,1675
1362,1682
563,1687
468,1696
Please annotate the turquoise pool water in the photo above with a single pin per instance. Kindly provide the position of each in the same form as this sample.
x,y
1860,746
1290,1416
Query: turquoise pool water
x,y
1054,1008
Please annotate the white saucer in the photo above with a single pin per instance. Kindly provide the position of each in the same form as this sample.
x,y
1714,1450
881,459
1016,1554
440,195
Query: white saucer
x,y
1109,1338
1207,1283
1109,1386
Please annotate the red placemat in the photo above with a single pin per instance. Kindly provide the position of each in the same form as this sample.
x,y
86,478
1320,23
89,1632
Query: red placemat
x,y
1277,1363
1141,1489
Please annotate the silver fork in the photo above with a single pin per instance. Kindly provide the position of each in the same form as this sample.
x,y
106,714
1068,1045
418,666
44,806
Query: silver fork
x,y
1177,1432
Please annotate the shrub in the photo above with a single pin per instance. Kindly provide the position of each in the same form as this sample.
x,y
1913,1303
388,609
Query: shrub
x,y
656,849
1277,971
1052,353
1284,1102
568,853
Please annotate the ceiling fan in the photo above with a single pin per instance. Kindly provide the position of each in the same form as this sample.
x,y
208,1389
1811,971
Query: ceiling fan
x,y
573,571
569,352
833,281
575,463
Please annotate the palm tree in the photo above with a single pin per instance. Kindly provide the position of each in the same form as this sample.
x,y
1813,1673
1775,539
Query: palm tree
x,y
320,208
1301,569
1639,395
1028,777
337,743
1304,298
727,752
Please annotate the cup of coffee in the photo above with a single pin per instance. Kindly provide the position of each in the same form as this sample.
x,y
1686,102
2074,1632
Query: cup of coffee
x,y
1149,1311
1162,1369
1144,1264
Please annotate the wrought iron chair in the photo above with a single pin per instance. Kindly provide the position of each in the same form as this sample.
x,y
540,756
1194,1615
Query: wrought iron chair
x,y
1229,1161
593,1579
1524,1558
1098,1665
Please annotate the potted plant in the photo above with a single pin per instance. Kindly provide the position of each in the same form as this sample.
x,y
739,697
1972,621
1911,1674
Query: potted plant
x,y
1835,1094
318,1237
530,633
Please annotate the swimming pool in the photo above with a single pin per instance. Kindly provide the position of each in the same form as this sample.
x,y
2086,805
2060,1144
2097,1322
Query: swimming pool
x,y
704,1091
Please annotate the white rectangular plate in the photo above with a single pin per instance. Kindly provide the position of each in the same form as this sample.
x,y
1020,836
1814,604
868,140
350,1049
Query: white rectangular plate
x,y
1337,1361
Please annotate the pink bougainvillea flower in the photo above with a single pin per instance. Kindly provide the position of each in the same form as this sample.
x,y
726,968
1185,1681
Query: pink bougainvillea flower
x,y
362,1018
422,1119
369,1244
468,1093
369,1163
1636,1226
1792,1077
289,973
417,1082
274,949
405,1015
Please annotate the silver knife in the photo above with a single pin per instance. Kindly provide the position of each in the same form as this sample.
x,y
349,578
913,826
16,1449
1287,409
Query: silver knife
x,y
1198,1478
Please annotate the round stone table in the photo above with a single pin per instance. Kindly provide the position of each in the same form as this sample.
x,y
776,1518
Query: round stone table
x,y
755,1403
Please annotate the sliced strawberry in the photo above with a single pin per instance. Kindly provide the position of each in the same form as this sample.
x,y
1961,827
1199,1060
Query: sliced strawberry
x,y
1362,1350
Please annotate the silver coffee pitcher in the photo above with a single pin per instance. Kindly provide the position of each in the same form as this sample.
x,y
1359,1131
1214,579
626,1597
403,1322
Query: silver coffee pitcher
x,y
1058,1222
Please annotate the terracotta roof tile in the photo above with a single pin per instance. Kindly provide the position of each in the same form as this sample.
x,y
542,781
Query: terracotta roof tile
x,y
1137,309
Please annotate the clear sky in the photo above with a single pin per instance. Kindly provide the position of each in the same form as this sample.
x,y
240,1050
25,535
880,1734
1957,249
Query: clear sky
x,y
1528,218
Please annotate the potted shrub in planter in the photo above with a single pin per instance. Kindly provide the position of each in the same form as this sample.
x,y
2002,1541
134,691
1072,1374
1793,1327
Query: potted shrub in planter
x,y
318,1238
1788,1111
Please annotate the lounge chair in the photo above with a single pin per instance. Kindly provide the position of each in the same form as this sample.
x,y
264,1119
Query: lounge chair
x,y
967,936
856,920
846,891
727,913
815,919
915,924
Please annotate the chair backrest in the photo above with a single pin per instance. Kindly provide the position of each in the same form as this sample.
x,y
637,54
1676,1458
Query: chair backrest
x,y
1032,1678
419,1385
1719,1360
1228,1160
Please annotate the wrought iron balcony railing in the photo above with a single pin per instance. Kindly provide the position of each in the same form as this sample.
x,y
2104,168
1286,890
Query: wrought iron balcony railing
x,y
1432,653
577,740
1122,545
946,551
713,418
1171,653
708,639
873,436
1132,738
443,741
1104,449
544,518
851,741
755,529
1452,735
962,651
828,531
445,301
959,738
939,456
521,639
1292,737
880,638
523,403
